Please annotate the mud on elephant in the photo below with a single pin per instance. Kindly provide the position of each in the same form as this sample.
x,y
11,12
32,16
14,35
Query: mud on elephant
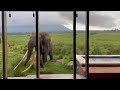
x,y
46,47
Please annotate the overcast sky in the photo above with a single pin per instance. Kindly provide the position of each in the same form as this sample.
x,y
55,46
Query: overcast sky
x,y
26,18
99,20
104,20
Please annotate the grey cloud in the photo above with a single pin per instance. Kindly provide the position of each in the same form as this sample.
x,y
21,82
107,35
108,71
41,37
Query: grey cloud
x,y
96,19
81,17
69,16
26,18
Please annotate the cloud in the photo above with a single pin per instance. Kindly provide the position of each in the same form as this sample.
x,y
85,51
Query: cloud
x,y
26,18
81,20
103,21
81,16
99,19
68,15
19,18
51,18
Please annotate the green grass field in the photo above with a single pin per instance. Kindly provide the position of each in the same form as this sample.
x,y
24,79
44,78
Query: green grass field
x,y
103,44
17,46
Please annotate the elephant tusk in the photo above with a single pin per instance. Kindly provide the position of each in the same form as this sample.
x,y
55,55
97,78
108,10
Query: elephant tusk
x,y
21,60
33,61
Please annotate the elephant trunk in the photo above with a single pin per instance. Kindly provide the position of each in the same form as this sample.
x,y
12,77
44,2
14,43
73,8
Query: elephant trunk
x,y
30,50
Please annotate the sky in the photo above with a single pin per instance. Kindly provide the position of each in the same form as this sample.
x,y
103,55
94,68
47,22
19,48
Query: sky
x,y
98,20
104,20
64,18
26,18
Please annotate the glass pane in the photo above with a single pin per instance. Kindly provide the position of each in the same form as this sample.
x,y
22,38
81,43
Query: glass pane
x,y
19,30
59,26
104,41
80,43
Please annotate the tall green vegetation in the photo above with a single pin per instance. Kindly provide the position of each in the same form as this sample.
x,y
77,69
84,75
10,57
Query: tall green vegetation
x,y
99,44
17,47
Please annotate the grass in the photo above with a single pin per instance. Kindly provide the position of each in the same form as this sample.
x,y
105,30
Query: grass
x,y
17,46
105,44
102,44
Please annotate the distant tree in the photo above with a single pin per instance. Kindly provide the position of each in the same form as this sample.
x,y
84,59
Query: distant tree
x,y
93,33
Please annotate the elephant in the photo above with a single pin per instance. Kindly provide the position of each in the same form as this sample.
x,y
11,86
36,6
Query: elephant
x,y
46,47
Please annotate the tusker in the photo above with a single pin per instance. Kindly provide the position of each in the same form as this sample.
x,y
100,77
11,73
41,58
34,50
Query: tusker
x,y
46,47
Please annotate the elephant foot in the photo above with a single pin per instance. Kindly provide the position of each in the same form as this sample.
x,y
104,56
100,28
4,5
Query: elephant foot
x,y
42,66
25,64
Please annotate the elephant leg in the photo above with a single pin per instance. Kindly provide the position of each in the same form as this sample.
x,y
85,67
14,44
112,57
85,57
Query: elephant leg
x,y
45,57
51,51
44,54
51,55
41,61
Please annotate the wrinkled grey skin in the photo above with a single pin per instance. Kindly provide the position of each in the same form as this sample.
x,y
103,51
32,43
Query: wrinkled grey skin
x,y
46,47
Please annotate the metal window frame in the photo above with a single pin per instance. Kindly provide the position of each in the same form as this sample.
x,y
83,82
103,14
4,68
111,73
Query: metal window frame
x,y
87,45
38,48
86,42
74,42
4,43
